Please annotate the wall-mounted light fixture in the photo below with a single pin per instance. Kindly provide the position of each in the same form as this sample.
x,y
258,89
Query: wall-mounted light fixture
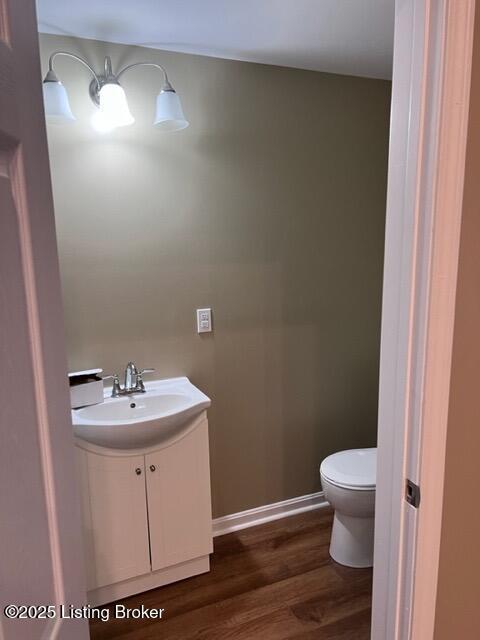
x,y
109,97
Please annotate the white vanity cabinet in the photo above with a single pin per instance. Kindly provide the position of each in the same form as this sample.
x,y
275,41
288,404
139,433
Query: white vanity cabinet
x,y
115,518
146,517
178,497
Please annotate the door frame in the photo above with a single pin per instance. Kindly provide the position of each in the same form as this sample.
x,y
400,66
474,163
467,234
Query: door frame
x,y
41,551
429,118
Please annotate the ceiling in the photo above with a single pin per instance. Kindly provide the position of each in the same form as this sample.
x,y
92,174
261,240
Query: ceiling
x,y
353,37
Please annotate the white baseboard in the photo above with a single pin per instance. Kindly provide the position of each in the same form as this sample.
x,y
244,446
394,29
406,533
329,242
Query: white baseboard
x,y
267,513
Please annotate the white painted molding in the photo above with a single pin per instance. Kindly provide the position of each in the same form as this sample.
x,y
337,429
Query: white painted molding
x,y
430,100
267,513
444,206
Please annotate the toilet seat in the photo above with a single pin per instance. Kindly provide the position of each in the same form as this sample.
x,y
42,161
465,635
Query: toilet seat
x,y
354,469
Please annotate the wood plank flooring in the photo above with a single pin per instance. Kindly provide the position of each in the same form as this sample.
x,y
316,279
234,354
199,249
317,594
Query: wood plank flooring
x,y
271,582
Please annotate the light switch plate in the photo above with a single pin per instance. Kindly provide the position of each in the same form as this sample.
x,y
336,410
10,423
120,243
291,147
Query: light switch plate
x,y
204,320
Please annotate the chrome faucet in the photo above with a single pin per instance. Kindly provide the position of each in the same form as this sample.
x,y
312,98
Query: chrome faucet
x,y
131,373
133,381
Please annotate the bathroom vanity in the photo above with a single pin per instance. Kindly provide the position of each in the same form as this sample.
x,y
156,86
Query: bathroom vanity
x,y
143,464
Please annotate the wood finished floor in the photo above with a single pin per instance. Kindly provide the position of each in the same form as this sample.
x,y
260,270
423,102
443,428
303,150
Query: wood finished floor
x,y
271,582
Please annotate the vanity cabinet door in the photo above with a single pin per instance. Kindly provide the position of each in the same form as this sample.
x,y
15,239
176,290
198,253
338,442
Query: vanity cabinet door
x,y
179,508
114,517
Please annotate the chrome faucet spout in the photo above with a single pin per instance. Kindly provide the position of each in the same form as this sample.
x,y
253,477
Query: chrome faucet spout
x,y
131,372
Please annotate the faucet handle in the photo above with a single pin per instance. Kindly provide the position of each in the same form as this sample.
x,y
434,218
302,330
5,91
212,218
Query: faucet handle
x,y
116,384
140,386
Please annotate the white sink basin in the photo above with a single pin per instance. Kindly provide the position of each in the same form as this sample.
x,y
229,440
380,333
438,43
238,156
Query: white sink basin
x,y
141,420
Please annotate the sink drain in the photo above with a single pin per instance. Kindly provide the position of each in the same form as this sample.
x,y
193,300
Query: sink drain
x,y
132,405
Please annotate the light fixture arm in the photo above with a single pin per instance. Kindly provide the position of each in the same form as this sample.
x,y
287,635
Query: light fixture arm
x,y
52,76
166,84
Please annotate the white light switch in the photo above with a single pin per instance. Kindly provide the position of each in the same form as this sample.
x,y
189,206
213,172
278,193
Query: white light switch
x,y
204,320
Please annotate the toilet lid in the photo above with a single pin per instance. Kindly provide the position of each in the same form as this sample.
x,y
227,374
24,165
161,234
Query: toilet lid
x,y
352,468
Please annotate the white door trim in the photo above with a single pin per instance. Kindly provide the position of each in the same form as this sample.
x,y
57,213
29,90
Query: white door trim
x,y
445,200
41,546
430,95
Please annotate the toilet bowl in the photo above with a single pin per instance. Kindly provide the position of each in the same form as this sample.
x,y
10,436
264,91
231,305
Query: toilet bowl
x,y
349,480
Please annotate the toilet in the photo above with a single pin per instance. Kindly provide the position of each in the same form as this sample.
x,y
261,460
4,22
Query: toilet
x,y
348,480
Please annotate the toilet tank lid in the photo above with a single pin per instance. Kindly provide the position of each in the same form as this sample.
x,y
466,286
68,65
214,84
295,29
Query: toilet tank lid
x,y
355,467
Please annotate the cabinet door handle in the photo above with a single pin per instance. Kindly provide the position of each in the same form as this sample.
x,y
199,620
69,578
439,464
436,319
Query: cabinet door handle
x,y
152,468
138,471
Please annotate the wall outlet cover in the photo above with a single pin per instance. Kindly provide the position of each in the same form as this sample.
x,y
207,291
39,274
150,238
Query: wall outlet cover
x,y
204,320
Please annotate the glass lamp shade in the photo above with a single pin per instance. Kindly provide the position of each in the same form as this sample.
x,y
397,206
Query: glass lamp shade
x,y
101,123
113,111
57,107
169,113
